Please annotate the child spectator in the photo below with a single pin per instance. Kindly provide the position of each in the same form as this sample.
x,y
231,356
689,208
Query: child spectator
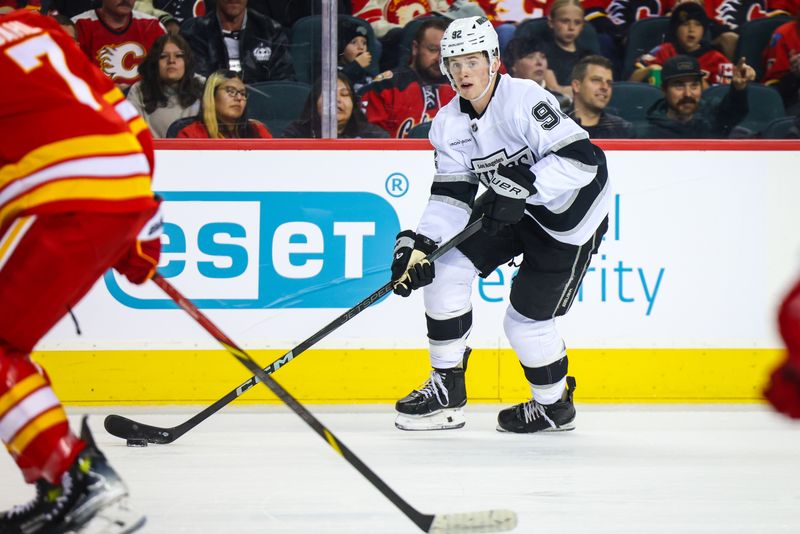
x,y
783,64
566,22
687,26
169,89
354,56
222,115
351,122
523,58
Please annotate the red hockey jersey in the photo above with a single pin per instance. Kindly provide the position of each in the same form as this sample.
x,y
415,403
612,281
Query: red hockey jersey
x,y
118,52
68,137
784,44
398,100
717,68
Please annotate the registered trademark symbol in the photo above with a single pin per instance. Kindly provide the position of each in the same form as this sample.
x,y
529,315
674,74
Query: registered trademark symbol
x,y
397,184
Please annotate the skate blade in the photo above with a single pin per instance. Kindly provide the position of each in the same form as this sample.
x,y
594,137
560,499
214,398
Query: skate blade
x,y
563,428
115,518
442,420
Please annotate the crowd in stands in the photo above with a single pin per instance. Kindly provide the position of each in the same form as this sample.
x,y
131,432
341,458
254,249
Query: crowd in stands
x,y
620,68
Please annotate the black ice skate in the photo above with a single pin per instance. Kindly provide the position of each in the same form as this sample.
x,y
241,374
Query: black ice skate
x,y
438,404
91,498
531,416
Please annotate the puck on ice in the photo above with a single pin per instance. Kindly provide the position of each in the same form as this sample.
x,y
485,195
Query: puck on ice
x,y
136,443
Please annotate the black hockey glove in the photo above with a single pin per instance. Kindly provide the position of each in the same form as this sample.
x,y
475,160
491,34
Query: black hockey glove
x,y
409,268
512,186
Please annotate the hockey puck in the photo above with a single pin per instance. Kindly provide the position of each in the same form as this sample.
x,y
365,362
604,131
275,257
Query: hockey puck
x,y
136,443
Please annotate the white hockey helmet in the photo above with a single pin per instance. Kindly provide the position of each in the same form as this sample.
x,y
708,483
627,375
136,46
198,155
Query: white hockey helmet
x,y
467,36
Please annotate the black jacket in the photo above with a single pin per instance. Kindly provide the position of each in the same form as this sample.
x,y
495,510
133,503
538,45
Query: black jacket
x,y
263,47
608,127
712,120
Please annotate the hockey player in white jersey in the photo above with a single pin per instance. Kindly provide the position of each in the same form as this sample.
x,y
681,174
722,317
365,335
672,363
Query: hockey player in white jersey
x,y
548,197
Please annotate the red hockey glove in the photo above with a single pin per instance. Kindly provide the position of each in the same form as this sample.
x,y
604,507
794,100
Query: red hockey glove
x,y
783,390
140,261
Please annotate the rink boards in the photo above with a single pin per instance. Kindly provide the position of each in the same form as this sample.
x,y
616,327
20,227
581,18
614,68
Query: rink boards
x,y
273,241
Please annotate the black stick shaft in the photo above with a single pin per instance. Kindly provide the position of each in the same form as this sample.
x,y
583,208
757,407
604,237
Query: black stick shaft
x,y
423,521
128,429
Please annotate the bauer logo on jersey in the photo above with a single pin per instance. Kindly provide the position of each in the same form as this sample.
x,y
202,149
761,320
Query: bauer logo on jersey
x,y
269,250
485,167
121,62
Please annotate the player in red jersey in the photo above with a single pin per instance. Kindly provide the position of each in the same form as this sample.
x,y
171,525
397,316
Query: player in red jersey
x,y
76,163
783,390
117,39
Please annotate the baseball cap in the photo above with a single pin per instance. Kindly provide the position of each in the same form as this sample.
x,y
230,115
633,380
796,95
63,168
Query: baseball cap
x,y
679,66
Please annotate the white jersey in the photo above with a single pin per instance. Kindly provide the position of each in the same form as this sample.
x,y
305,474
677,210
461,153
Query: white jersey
x,y
523,125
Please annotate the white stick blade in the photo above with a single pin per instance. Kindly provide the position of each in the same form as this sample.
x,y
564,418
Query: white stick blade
x,y
487,521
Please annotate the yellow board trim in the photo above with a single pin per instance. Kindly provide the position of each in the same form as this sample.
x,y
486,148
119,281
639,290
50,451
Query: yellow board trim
x,y
350,376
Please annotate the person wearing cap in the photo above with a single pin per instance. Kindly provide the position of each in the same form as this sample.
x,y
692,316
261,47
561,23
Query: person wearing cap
x,y
400,99
681,114
686,36
354,54
592,85
525,58
233,37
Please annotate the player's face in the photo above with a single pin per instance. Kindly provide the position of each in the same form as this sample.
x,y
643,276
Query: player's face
x,y
689,34
427,54
566,24
531,67
595,88
232,8
683,95
231,99
171,64
470,74
344,104
355,48
119,8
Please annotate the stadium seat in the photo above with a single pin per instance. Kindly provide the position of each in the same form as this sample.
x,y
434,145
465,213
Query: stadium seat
x,y
539,30
779,128
420,131
631,100
306,45
643,36
765,105
754,38
277,104
177,126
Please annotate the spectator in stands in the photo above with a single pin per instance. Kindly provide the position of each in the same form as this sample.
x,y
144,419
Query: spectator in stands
x,y
222,114
400,99
783,64
592,85
169,22
7,6
563,52
183,9
354,55
524,58
117,39
67,25
682,114
70,8
239,39
351,122
169,89
687,26
722,36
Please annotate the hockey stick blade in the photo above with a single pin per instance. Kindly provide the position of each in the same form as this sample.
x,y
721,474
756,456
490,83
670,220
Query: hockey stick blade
x,y
488,521
125,428
491,521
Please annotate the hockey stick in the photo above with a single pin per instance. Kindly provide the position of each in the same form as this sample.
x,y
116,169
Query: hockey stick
x,y
125,428
484,521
